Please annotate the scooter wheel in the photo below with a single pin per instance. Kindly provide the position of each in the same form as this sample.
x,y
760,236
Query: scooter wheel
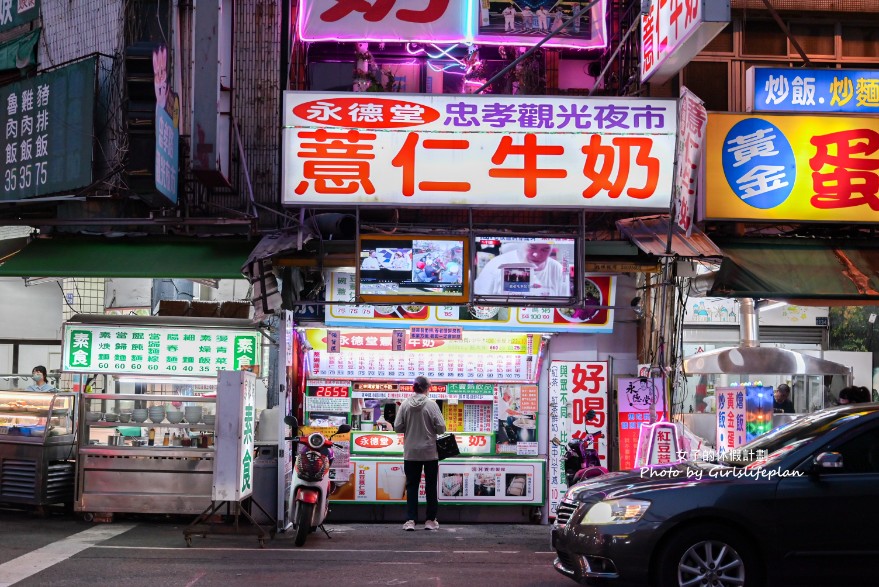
x,y
304,516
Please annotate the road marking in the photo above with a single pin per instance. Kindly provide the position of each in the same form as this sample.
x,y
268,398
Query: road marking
x,y
27,565
397,563
226,548
470,551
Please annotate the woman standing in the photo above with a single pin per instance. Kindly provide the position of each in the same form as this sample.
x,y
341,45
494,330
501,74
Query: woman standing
x,y
420,419
41,380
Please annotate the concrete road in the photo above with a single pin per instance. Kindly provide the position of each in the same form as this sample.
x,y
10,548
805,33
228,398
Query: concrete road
x,y
150,551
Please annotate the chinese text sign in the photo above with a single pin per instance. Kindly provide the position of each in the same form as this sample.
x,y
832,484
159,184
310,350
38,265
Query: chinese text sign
x,y
692,120
792,168
813,90
47,126
14,13
478,150
574,389
636,397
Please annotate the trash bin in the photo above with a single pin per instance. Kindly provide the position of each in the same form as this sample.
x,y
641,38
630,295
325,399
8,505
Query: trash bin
x,y
265,483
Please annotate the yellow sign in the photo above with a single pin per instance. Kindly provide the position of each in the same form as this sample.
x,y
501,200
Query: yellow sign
x,y
792,168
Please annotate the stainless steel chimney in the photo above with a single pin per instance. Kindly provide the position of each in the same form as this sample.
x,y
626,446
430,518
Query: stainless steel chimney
x,y
749,323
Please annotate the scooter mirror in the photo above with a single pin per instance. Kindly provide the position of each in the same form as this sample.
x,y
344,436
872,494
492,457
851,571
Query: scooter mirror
x,y
343,429
291,421
590,415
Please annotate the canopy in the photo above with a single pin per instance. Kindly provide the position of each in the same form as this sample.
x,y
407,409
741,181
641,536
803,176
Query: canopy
x,y
130,257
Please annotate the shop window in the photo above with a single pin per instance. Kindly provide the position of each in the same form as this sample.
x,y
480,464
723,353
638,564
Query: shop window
x,y
763,37
710,81
860,41
722,43
814,38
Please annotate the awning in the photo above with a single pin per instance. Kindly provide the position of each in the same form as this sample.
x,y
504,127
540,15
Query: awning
x,y
130,257
650,234
799,270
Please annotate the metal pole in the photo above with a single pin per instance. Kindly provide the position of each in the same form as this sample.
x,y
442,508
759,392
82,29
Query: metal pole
x,y
517,60
622,42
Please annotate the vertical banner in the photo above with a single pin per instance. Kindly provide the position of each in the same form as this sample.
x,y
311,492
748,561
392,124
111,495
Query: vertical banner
x,y
235,427
693,121
636,398
167,133
574,389
731,415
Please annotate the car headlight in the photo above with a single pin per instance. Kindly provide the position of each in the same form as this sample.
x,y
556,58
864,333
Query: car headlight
x,y
616,511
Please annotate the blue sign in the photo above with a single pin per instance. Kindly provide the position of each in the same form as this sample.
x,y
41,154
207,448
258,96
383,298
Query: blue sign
x,y
759,163
167,154
814,90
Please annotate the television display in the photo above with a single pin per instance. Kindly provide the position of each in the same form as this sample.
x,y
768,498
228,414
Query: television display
x,y
515,268
397,269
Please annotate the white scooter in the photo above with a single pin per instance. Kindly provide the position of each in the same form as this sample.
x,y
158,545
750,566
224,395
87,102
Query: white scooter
x,y
309,496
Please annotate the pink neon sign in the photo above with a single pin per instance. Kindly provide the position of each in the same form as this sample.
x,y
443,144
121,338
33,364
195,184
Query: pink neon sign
x,y
453,21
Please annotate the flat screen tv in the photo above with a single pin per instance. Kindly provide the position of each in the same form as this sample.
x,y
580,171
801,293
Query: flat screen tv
x,y
398,269
525,269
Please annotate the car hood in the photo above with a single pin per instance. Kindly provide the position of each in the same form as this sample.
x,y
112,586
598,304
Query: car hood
x,y
624,483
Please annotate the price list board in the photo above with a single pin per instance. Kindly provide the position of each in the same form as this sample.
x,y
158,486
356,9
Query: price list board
x,y
478,418
126,350
447,366
48,128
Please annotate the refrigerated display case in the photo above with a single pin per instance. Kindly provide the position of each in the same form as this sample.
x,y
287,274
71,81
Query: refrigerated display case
x,y
37,447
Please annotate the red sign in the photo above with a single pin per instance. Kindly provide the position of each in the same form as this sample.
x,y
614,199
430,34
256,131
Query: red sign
x,y
329,391
374,441
354,113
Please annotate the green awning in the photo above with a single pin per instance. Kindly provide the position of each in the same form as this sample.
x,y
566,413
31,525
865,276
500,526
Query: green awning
x,y
799,269
129,257
20,53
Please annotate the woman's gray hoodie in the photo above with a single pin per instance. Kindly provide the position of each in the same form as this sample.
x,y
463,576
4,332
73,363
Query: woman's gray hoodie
x,y
420,419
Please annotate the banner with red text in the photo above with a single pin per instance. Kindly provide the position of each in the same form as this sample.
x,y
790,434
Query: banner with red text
x,y
575,387
478,150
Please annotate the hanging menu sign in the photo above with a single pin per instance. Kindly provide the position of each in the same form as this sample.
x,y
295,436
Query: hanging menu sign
x,y
90,348
48,132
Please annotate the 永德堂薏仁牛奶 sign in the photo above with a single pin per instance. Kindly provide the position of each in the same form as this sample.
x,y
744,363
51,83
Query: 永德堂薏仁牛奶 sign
x,y
158,351
479,150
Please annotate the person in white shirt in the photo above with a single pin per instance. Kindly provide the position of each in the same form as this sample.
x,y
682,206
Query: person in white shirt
x,y
41,380
371,262
547,276
509,19
527,15
542,16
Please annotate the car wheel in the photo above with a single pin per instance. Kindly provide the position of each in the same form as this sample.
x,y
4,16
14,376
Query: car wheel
x,y
708,555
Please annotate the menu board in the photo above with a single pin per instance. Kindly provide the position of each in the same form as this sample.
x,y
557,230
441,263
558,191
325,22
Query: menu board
x,y
391,443
90,348
486,481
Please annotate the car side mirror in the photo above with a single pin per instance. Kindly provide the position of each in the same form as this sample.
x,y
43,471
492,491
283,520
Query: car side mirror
x,y
291,421
827,460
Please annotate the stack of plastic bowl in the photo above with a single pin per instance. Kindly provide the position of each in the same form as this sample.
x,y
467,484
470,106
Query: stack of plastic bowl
x,y
125,416
111,417
157,414
193,414
93,416
139,415
174,416
209,419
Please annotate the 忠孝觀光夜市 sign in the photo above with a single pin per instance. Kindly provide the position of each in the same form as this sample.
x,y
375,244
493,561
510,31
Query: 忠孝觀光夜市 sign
x,y
792,168
157,351
479,150
484,22
851,91
48,131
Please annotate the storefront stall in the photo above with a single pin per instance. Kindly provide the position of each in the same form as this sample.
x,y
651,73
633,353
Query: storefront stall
x,y
361,376
37,447
148,447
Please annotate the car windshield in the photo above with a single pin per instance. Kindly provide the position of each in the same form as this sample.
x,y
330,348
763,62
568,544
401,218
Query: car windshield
x,y
767,449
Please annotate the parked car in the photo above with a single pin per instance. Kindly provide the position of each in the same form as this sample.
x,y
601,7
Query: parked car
x,y
796,506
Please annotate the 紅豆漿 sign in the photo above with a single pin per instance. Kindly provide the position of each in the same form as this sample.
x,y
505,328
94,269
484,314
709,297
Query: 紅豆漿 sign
x,y
850,91
478,150
792,168
157,351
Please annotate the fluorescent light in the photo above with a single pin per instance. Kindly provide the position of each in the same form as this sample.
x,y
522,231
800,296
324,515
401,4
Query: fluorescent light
x,y
160,379
773,306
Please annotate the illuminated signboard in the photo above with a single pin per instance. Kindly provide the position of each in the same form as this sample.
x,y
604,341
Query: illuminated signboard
x,y
675,31
852,91
486,22
478,150
792,168
328,390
